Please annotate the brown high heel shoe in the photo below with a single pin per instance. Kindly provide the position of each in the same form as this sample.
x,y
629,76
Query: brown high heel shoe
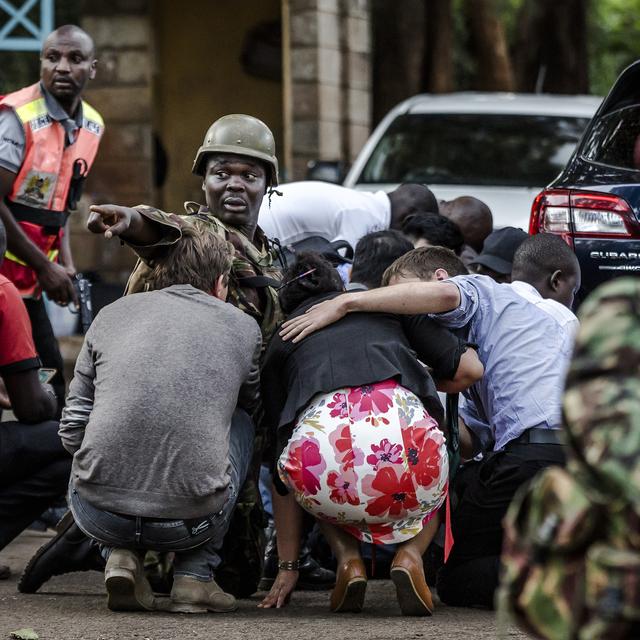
x,y
413,593
351,585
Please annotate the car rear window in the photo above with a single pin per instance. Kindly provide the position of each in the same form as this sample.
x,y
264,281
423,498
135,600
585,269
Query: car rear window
x,y
615,139
474,149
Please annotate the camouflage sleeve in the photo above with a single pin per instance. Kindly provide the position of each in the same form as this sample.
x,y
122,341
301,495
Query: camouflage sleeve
x,y
170,226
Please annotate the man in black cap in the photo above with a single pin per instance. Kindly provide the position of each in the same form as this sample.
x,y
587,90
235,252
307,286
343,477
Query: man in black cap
x,y
496,258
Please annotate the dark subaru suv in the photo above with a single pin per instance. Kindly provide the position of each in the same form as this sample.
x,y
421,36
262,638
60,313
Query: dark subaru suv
x,y
594,204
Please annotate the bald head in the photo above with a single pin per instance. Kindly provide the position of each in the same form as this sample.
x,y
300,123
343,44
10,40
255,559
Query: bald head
x,y
410,198
67,63
472,216
68,33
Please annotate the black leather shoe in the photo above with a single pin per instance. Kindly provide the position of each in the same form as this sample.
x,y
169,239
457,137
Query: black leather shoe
x,y
311,577
70,550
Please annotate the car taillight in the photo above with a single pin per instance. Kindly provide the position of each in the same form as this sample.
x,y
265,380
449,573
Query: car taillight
x,y
580,214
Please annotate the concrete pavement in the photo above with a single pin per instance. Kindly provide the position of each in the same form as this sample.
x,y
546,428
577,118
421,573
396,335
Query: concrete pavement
x,y
73,607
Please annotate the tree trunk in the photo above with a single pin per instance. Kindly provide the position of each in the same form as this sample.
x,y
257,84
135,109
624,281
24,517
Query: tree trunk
x,y
550,51
438,68
489,45
399,41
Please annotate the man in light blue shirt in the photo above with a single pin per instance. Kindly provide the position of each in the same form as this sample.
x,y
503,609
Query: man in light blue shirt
x,y
524,333
525,351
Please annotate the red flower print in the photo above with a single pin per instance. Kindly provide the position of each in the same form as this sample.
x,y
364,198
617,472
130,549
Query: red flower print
x,y
392,491
343,486
385,452
423,454
304,465
345,453
338,406
371,399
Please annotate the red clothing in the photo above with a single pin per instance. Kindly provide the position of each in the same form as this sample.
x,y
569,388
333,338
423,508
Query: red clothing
x,y
17,351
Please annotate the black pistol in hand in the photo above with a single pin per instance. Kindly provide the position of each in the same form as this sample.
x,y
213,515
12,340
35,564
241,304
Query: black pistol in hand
x,y
83,289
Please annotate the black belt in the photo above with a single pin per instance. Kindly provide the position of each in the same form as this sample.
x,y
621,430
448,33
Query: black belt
x,y
536,435
47,218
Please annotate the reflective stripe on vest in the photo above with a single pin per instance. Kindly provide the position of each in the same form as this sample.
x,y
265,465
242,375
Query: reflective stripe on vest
x,y
47,168
41,188
52,255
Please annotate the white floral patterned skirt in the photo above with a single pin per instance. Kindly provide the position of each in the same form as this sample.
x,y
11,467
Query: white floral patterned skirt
x,y
370,459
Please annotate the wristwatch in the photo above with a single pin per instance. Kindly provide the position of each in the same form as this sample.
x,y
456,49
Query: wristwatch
x,y
289,565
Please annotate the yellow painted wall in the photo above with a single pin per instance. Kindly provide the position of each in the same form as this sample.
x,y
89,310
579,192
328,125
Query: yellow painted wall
x,y
199,78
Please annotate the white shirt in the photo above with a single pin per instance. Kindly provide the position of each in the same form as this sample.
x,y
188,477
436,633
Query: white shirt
x,y
314,208
563,316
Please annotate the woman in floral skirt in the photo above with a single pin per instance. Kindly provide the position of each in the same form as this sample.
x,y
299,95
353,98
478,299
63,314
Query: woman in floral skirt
x,y
358,443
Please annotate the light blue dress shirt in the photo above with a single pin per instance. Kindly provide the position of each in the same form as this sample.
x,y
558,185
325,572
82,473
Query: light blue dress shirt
x,y
525,344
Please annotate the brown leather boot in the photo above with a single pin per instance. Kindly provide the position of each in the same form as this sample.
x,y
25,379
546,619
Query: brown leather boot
x,y
351,585
127,587
407,573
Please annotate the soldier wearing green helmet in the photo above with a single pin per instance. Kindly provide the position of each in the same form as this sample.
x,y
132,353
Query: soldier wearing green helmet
x,y
238,167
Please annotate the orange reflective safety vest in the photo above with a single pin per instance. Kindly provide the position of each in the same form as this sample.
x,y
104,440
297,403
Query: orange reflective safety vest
x,y
40,197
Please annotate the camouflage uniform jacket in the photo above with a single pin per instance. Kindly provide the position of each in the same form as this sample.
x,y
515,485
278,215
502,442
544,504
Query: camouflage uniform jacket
x,y
250,261
572,539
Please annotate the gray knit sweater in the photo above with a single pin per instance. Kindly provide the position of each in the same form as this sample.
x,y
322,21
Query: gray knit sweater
x,y
150,405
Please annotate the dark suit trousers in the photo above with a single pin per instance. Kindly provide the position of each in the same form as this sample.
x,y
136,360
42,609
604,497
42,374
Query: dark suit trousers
x,y
34,472
484,491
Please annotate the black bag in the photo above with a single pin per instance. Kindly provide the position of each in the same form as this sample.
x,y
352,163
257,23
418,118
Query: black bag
x,y
316,244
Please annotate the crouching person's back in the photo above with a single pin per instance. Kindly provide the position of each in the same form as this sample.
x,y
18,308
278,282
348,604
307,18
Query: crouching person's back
x,y
160,449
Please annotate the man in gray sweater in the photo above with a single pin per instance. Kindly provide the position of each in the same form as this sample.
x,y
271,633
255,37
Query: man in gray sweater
x,y
160,450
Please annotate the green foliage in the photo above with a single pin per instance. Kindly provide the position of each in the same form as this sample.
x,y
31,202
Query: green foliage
x,y
614,30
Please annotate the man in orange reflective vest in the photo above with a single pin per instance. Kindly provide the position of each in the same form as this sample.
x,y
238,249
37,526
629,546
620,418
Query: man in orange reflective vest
x,y
49,138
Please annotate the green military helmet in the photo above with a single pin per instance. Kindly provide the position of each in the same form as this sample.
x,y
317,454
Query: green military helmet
x,y
241,135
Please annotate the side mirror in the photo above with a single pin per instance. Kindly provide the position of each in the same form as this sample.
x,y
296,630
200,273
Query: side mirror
x,y
326,171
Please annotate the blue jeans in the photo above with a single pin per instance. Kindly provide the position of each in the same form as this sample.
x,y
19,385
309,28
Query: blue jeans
x,y
196,542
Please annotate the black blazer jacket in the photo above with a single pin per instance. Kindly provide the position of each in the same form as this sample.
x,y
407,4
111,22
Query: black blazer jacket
x,y
359,349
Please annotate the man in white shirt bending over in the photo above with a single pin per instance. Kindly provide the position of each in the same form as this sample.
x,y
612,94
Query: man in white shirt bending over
x,y
333,212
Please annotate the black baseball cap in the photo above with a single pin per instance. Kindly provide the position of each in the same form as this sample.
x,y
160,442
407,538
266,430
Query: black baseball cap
x,y
499,248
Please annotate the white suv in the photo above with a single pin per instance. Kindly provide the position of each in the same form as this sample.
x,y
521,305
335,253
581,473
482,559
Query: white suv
x,y
500,147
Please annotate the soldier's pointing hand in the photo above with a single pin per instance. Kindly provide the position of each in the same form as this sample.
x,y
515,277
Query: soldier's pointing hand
x,y
110,219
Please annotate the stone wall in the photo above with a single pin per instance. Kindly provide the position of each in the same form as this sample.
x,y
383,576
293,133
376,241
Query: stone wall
x,y
329,81
122,93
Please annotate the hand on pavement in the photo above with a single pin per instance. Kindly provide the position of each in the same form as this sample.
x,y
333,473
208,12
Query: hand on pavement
x,y
57,284
317,317
110,219
280,593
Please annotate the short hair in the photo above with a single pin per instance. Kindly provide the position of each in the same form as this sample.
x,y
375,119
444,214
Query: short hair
x,y
435,229
296,290
199,258
374,253
541,255
422,263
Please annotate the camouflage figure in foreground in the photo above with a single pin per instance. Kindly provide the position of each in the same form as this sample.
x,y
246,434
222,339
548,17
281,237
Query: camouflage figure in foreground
x,y
572,541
